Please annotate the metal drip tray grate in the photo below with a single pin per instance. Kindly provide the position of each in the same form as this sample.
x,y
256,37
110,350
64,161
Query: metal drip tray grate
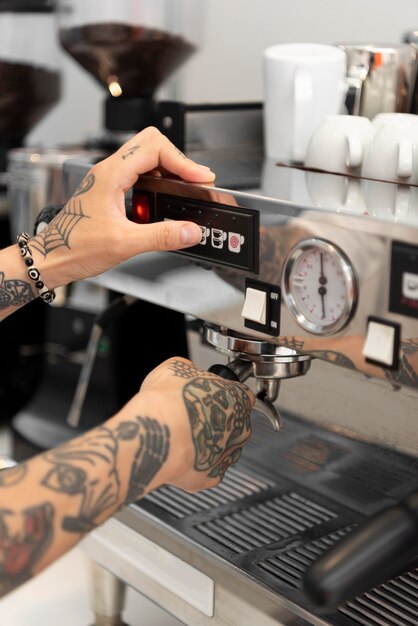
x,y
235,486
393,604
288,501
266,523
289,566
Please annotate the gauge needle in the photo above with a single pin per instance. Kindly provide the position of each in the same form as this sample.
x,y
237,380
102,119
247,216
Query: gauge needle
x,y
322,289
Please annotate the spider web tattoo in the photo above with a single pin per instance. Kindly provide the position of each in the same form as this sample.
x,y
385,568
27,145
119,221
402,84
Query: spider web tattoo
x,y
57,233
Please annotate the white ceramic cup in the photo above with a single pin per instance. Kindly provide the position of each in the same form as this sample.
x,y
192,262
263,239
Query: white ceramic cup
x,y
339,143
390,200
303,82
338,193
394,119
392,154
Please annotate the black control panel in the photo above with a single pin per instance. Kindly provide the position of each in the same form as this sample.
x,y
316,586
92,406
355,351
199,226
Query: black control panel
x,y
404,279
230,234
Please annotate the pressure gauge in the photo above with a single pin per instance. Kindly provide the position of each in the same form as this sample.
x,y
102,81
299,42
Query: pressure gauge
x,y
319,286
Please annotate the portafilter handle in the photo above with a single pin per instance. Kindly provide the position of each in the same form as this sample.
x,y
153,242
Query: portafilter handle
x,y
239,371
368,556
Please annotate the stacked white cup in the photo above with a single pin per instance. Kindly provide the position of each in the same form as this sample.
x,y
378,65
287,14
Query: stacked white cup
x,y
385,149
392,156
338,146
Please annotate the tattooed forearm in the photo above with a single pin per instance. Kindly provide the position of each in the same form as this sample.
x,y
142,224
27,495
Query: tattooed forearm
x,y
74,471
75,468
152,453
86,481
24,539
130,152
85,185
14,292
57,233
219,418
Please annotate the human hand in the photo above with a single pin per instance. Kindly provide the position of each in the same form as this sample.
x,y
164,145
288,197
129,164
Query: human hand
x,y
208,422
92,234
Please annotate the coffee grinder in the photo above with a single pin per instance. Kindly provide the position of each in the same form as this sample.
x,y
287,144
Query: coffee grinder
x,y
131,49
29,88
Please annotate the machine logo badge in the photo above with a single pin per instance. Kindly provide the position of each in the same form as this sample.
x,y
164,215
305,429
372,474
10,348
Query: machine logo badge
x,y
235,241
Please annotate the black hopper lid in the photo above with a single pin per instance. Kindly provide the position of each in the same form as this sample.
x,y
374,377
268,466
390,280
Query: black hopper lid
x,y
27,6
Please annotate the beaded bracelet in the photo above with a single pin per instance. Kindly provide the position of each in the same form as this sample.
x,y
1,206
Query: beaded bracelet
x,y
47,295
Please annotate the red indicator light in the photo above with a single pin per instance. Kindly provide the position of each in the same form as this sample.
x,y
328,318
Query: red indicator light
x,y
141,213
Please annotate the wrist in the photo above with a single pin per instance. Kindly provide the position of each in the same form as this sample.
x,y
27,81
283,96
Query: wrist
x,y
165,441
47,295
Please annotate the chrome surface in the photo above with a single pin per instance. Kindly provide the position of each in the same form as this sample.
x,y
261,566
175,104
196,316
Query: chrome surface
x,y
35,180
264,405
6,462
107,597
381,78
267,360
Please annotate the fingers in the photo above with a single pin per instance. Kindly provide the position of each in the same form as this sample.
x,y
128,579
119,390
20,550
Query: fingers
x,y
149,150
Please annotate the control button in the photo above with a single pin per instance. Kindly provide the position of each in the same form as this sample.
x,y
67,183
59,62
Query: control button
x,y
235,241
382,343
205,234
230,235
410,286
255,306
218,238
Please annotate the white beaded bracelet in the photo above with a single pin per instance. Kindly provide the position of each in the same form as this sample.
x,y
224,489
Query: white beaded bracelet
x,y
47,295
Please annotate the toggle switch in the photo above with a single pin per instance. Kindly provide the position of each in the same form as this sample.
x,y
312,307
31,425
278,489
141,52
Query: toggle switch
x,y
261,310
254,308
382,343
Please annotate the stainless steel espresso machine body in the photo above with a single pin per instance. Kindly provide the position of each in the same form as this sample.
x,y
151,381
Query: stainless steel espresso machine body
x,y
299,288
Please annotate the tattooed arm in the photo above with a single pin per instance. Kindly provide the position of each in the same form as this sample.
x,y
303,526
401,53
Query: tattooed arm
x,y
92,234
185,428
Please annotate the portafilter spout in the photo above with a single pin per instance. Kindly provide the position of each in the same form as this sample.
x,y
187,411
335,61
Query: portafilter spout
x,y
266,362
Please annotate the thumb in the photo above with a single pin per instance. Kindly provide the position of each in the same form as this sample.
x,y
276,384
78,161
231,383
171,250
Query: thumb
x,y
166,235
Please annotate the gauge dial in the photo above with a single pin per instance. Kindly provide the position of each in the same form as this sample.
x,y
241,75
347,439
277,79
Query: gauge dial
x,y
319,286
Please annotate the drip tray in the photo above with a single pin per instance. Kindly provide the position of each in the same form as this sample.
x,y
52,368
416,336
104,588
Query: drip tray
x,y
289,500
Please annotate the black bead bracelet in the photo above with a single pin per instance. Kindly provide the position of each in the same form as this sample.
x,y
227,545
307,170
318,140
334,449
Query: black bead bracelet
x,y
47,295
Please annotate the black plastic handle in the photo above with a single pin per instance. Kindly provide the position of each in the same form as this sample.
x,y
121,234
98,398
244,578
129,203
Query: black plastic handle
x,y
368,556
224,371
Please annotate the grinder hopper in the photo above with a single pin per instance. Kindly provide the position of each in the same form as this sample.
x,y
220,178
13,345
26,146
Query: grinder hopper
x,y
130,48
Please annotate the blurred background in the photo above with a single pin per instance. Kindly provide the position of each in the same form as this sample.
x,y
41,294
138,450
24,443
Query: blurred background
x,y
227,67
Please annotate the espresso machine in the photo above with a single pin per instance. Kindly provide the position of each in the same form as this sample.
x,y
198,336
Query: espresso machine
x,y
316,308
